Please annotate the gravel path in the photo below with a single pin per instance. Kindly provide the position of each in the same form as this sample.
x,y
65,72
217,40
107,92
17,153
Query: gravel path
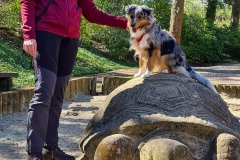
x,y
75,116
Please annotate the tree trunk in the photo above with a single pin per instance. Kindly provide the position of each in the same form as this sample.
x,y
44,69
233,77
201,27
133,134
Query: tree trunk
x,y
211,10
176,19
235,13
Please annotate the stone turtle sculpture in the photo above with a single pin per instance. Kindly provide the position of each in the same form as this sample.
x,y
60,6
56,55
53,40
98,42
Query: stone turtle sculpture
x,y
163,117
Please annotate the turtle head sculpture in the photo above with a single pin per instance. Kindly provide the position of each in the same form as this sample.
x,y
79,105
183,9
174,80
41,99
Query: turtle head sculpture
x,y
165,116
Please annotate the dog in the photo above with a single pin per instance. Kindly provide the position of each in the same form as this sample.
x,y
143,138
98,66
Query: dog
x,y
156,48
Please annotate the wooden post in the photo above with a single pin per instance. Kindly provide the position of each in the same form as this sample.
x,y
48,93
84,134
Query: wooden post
x,y
104,85
233,91
88,86
84,85
15,101
10,102
219,88
77,86
176,19
123,80
116,82
4,103
72,88
238,92
0,104
226,89
93,86
21,100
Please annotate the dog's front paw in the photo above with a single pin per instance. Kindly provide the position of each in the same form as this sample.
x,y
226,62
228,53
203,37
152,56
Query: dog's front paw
x,y
165,71
145,75
137,75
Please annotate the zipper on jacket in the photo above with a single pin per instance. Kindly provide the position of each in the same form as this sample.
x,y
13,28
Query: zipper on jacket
x,y
68,20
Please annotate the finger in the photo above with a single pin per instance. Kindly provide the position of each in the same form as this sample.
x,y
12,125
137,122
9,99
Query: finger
x,y
34,49
27,49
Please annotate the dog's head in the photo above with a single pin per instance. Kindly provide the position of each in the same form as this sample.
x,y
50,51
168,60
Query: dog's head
x,y
138,16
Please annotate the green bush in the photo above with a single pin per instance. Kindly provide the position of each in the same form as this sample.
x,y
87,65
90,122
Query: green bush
x,y
204,43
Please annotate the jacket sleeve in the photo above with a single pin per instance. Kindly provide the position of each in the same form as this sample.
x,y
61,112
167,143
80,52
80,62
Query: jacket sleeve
x,y
93,15
28,19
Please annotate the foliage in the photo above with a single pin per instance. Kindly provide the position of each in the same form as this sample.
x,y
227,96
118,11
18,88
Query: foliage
x,y
10,15
204,43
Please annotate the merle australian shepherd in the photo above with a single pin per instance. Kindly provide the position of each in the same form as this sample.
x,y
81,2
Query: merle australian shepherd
x,y
156,48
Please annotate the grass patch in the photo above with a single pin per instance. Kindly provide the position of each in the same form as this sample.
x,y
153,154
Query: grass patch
x,y
92,61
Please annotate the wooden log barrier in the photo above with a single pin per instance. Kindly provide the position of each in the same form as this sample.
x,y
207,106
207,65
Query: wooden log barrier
x,y
77,85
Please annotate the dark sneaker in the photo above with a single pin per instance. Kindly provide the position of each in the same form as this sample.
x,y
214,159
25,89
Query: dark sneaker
x,y
55,153
35,156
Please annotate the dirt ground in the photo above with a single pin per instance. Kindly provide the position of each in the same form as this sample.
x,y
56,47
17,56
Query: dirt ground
x,y
75,116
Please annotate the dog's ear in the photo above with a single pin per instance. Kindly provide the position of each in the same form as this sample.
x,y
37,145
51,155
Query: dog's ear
x,y
130,8
147,11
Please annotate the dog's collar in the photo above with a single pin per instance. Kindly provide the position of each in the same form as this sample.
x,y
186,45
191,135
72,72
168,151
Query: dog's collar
x,y
140,38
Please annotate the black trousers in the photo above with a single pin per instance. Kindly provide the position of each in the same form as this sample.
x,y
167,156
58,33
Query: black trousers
x,y
53,67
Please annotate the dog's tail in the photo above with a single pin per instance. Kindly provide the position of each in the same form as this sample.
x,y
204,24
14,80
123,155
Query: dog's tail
x,y
201,79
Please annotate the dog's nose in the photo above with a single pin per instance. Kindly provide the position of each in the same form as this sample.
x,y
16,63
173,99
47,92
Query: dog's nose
x,y
133,25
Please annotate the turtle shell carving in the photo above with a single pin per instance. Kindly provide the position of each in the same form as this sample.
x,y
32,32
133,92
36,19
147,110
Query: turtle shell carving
x,y
165,116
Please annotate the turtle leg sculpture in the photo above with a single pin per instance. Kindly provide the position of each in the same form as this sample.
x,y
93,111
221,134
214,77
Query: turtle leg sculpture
x,y
226,147
165,149
113,147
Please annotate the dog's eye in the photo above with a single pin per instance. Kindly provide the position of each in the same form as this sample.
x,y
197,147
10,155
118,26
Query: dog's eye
x,y
131,16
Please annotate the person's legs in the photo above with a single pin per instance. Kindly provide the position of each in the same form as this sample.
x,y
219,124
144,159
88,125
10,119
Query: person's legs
x,y
67,55
48,46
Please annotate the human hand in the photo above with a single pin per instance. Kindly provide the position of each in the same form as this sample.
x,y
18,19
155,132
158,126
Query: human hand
x,y
30,46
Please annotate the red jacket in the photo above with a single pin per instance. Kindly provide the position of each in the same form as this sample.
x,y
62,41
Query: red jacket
x,y
63,17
